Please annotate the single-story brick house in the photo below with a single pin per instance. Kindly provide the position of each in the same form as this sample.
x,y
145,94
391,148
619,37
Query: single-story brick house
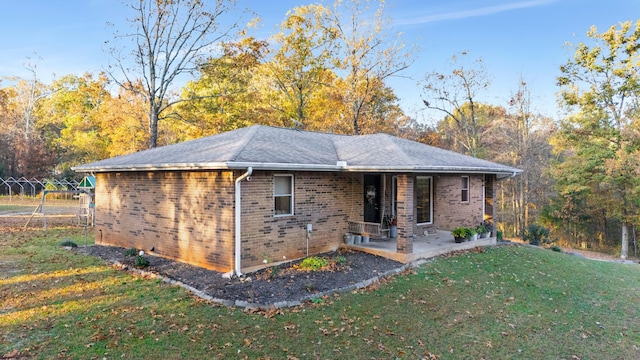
x,y
233,200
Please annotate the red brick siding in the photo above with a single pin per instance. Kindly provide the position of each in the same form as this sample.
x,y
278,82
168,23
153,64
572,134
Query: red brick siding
x,y
183,215
324,200
189,216
449,211
406,213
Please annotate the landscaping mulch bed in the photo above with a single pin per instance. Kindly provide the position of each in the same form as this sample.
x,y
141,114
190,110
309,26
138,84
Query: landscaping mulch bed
x,y
284,285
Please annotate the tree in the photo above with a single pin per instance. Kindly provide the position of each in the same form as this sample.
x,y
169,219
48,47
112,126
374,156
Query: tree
x,y
170,38
600,89
226,95
367,57
519,138
72,119
28,92
122,122
28,155
454,93
299,67
299,82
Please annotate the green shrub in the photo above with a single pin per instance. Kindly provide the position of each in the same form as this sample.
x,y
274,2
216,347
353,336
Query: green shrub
x,y
130,252
313,263
556,248
68,243
274,271
141,261
499,235
341,260
536,234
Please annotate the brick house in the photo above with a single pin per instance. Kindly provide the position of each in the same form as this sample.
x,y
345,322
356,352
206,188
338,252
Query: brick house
x,y
233,200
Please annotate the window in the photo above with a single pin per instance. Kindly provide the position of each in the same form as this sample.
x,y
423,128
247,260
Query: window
x,y
465,189
424,203
283,194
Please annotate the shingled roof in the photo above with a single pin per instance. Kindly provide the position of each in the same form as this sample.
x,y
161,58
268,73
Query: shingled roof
x,y
272,148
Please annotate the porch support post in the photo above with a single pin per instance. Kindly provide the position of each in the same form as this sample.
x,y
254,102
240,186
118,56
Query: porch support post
x,y
494,191
405,216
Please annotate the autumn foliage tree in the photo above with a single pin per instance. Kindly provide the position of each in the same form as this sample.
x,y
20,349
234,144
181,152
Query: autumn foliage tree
x,y
170,38
368,55
600,138
520,138
26,151
299,66
226,94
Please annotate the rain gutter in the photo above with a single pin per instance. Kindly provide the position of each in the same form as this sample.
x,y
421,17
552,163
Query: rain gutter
x,y
339,166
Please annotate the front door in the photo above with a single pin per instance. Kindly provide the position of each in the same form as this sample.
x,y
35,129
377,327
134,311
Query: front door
x,y
372,195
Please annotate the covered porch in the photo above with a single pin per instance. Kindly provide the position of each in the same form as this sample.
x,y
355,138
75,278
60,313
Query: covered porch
x,y
424,246
424,209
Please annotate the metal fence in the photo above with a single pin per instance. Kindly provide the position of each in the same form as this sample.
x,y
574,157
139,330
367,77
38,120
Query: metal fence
x,y
32,187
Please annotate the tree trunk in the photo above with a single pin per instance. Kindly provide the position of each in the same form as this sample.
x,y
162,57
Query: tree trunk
x,y
624,249
153,127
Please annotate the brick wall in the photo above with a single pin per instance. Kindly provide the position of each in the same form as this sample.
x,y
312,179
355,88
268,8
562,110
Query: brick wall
x,y
406,213
324,200
183,215
448,209
190,215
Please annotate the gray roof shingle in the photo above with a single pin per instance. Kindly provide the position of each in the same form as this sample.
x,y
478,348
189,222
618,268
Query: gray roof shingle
x,y
271,148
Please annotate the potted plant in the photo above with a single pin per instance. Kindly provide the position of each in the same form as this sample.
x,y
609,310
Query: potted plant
x,y
488,228
461,234
482,231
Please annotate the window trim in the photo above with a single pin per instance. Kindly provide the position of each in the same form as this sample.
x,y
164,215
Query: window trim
x,y
463,189
430,201
394,195
291,202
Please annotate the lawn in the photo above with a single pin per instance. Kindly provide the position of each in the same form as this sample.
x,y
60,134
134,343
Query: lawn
x,y
507,302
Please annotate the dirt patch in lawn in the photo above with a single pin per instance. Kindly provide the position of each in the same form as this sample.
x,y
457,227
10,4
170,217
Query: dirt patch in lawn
x,y
283,285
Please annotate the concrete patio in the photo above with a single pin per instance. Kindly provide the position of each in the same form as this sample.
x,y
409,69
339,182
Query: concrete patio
x,y
424,247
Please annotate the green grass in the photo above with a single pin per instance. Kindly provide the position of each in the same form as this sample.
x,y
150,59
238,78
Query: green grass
x,y
504,303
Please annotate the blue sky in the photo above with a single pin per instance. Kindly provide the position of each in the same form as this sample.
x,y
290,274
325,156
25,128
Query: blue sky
x,y
517,38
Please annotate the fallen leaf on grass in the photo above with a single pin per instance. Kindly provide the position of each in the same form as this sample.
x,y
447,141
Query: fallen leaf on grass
x,y
12,355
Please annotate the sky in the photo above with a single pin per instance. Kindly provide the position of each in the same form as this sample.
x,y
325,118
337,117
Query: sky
x,y
515,39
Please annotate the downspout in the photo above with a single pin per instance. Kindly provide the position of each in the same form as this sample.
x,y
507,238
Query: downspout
x,y
238,219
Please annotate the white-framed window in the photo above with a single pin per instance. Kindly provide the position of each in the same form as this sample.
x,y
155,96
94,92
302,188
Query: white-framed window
x,y
424,200
283,194
464,192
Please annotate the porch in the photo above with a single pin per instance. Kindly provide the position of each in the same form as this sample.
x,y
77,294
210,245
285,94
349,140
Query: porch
x,y
424,247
